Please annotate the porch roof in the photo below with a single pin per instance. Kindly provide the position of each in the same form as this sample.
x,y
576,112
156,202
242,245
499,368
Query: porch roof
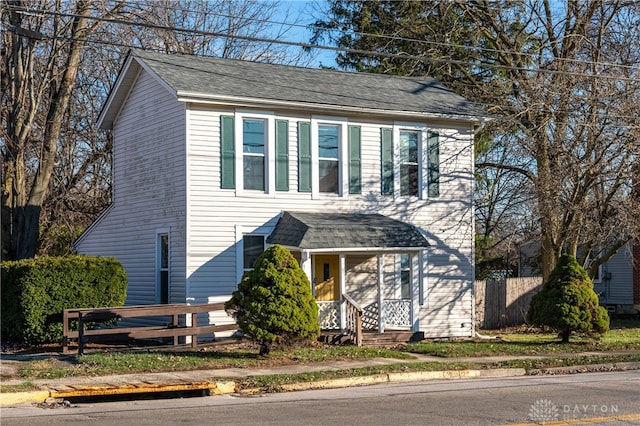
x,y
311,231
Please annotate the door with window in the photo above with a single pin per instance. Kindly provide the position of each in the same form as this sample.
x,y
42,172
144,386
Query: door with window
x,y
327,277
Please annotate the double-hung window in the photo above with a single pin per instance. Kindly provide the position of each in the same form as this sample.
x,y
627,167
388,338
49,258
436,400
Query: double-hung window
x,y
410,162
409,167
254,152
329,158
253,149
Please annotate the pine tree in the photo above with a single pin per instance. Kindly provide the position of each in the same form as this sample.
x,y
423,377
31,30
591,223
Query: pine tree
x,y
567,302
273,303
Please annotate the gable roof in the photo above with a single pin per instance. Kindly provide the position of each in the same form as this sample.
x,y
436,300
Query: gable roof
x,y
247,83
345,231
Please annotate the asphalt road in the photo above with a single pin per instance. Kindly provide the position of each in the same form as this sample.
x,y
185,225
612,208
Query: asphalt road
x,y
598,398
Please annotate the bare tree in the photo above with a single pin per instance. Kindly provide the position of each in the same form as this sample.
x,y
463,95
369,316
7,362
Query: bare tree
x,y
572,120
59,61
41,58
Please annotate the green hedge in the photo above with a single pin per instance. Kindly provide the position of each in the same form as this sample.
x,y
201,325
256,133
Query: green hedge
x,y
35,292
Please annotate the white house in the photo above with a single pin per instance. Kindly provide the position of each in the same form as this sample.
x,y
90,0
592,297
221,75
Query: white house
x,y
366,178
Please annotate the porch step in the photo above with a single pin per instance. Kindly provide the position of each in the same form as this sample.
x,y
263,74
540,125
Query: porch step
x,y
373,338
390,337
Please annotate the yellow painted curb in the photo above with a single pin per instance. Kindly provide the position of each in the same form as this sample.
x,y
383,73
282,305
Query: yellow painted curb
x,y
129,389
338,383
220,388
12,398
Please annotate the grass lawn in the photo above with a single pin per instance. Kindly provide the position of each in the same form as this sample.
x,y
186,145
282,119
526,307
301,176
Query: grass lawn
x,y
624,336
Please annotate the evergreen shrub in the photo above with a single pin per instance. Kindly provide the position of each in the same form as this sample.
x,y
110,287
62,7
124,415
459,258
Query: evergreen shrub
x,y
567,302
273,304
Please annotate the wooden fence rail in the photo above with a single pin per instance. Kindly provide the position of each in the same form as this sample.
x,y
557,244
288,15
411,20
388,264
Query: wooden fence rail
x,y
504,303
183,321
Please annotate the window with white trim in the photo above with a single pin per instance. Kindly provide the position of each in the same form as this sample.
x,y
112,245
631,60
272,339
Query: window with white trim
x,y
413,153
252,248
405,276
409,167
162,267
253,149
329,158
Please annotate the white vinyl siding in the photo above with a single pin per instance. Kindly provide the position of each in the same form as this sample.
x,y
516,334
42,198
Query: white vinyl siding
x,y
148,192
167,175
213,216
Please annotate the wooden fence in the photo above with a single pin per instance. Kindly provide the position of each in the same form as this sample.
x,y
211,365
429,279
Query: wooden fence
x,y
504,303
179,320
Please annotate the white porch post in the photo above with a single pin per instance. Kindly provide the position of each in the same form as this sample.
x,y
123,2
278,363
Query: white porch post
x,y
416,294
305,264
380,294
343,308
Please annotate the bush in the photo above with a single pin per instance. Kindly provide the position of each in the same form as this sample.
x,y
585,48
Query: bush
x,y
35,292
273,303
567,302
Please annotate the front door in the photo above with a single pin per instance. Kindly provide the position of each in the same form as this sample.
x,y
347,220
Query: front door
x,y
327,277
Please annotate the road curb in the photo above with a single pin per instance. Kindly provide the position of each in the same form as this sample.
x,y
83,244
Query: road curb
x,y
404,377
231,387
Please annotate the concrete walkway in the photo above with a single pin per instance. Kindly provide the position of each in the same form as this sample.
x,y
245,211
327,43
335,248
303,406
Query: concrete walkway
x,y
223,381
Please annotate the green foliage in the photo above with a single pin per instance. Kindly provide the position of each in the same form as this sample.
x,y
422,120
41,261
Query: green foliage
x,y
273,303
35,292
567,302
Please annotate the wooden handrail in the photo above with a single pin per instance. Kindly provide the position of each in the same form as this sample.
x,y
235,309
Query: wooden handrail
x,y
174,329
353,320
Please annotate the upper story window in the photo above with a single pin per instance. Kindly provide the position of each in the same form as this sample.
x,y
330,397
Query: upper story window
x,y
329,158
409,168
257,144
410,162
254,154
253,148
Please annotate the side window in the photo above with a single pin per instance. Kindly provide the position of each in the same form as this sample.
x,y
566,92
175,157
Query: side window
x,y
329,158
409,182
252,248
405,276
162,265
253,149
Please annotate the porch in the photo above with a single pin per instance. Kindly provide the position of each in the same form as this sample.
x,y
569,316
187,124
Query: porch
x,y
346,322
367,264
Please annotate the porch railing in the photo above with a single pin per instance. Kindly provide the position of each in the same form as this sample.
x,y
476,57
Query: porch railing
x,y
353,320
329,314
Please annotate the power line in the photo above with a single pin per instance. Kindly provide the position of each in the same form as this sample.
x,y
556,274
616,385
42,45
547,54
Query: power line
x,y
401,38
339,49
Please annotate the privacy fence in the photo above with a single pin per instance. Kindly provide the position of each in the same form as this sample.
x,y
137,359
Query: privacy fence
x,y
504,303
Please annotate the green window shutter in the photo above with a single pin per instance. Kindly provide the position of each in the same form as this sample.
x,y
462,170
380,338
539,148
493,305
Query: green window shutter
x,y
227,152
304,156
355,166
434,164
386,161
282,155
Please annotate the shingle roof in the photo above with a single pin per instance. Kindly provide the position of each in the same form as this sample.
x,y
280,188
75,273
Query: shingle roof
x,y
227,78
345,231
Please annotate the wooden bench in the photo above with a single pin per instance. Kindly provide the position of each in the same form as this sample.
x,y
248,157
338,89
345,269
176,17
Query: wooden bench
x,y
177,327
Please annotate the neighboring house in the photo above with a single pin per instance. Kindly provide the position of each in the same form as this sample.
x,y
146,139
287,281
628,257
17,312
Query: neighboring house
x,y
367,179
617,281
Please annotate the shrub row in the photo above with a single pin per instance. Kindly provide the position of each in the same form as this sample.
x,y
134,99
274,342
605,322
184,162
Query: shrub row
x,y
35,292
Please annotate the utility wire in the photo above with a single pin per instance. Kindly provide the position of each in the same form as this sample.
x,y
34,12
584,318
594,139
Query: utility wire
x,y
346,50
